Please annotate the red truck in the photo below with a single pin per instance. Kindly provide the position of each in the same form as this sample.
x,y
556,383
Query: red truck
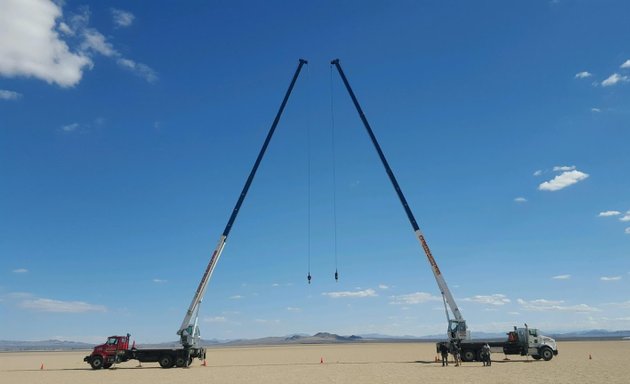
x,y
116,350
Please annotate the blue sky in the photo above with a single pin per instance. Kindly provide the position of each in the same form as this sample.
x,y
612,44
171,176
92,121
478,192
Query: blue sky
x,y
127,131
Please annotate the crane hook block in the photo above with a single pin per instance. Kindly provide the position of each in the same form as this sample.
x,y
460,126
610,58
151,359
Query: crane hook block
x,y
309,278
336,276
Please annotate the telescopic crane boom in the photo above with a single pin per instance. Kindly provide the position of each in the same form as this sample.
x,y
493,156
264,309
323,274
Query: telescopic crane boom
x,y
456,325
189,330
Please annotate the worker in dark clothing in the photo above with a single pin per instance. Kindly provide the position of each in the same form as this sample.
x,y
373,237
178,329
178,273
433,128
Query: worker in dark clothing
x,y
457,353
444,353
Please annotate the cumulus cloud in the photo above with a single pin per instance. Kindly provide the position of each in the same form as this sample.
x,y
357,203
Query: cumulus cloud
x,y
562,277
351,294
583,75
625,217
9,95
610,278
626,64
565,179
59,306
34,43
563,168
31,46
122,18
414,298
614,79
496,299
520,199
543,305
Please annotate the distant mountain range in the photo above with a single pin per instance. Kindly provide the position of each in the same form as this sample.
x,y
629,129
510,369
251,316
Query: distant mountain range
x,y
318,338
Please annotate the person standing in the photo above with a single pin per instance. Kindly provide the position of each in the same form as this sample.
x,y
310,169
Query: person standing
x,y
485,352
444,353
457,353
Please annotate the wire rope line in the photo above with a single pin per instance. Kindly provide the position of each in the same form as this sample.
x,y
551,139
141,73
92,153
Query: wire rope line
x,y
308,177
334,171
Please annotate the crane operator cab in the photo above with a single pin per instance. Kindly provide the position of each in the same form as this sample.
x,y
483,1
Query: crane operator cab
x,y
457,330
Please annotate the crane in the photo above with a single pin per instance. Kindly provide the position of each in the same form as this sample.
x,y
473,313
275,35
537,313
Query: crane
x,y
457,329
189,329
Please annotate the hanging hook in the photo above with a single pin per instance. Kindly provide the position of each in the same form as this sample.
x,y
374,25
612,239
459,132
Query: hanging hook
x,y
336,275
309,277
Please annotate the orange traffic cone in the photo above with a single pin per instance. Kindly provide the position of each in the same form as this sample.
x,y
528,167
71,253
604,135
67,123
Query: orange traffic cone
x,y
321,360
42,367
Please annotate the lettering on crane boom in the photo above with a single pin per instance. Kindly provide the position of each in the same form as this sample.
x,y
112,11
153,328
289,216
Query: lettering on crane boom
x,y
206,273
429,255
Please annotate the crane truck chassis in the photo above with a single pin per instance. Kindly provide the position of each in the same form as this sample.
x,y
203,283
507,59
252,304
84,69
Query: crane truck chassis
x,y
116,350
521,341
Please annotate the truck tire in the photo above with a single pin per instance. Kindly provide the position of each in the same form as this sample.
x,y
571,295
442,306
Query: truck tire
x,y
180,361
166,361
468,355
97,362
546,353
107,365
537,357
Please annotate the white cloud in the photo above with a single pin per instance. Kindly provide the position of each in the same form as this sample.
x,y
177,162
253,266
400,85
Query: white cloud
x,y
595,110
351,294
543,305
20,270
563,168
538,172
236,297
159,281
96,42
614,79
583,75
625,217
383,286
627,231
70,127
520,199
139,69
9,95
626,64
294,309
50,305
414,298
31,46
496,299
122,18
562,277
563,180
610,278
609,213
215,319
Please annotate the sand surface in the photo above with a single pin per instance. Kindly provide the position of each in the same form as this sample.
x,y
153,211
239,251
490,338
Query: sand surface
x,y
346,363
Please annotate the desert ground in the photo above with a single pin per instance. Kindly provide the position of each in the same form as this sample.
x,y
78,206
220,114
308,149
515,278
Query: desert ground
x,y
342,363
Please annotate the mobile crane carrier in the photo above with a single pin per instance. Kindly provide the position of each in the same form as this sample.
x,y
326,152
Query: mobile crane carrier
x,y
523,341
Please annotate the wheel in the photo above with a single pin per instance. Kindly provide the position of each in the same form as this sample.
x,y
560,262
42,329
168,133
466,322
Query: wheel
x,y
107,365
180,361
97,362
468,355
546,353
166,361
536,357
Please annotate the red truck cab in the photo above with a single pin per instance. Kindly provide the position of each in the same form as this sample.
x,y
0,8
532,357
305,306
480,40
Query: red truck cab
x,y
114,350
